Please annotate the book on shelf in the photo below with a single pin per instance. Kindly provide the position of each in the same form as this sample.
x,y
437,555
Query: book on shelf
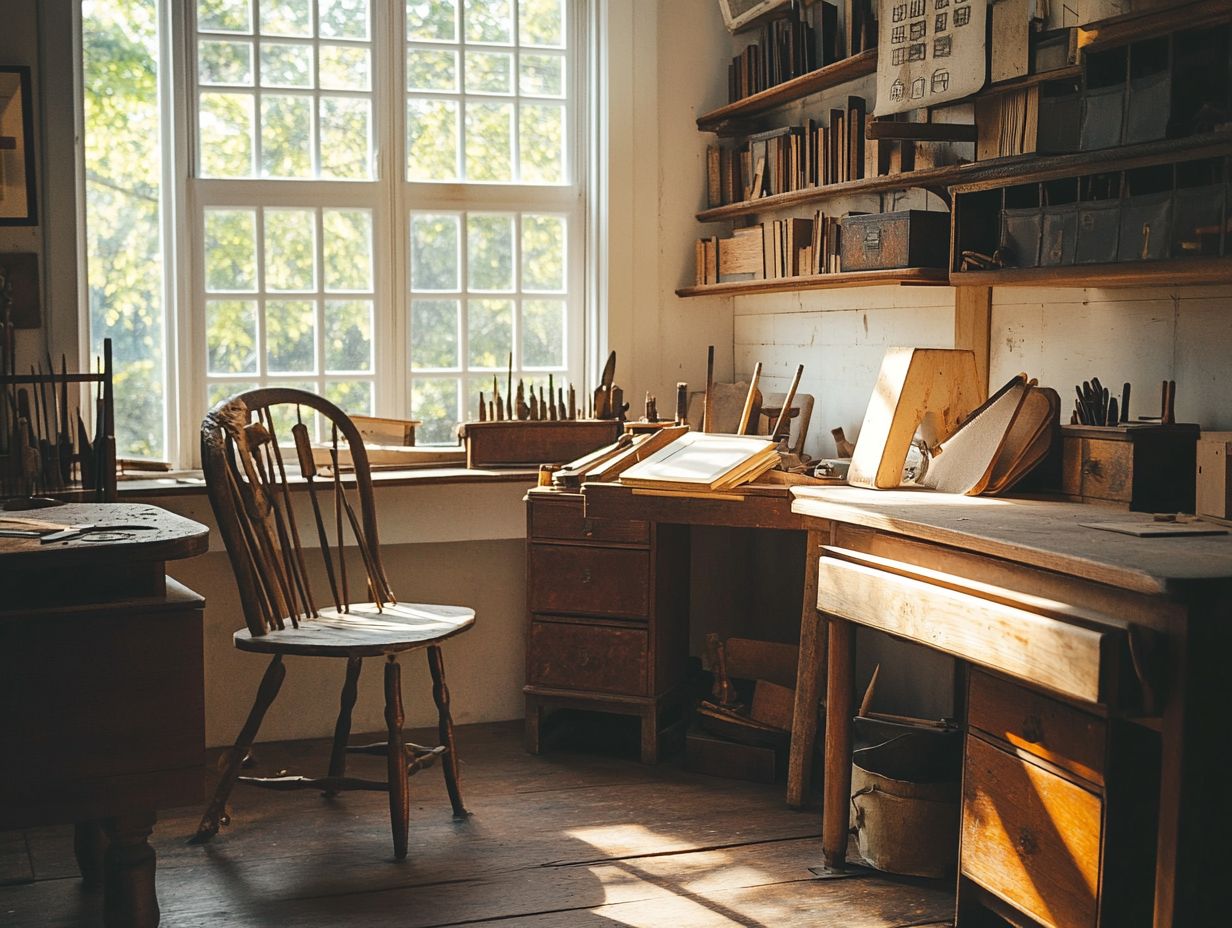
x,y
704,462
803,40
775,249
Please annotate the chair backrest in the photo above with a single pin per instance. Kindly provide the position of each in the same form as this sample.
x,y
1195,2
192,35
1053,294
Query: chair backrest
x,y
250,489
797,425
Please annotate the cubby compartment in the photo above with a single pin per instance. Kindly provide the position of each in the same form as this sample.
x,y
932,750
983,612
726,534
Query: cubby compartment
x,y
1150,90
1199,210
1099,218
1021,226
1103,99
1059,237
1146,214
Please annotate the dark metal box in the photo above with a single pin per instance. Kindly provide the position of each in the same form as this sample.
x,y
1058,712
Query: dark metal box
x,y
881,241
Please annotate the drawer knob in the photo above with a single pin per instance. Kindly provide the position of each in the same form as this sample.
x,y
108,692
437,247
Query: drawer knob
x,y
1092,468
1032,729
586,575
1027,843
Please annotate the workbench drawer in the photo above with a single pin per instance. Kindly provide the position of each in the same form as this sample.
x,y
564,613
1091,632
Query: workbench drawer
x,y
1039,725
589,580
585,656
1030,837
987,625
567,521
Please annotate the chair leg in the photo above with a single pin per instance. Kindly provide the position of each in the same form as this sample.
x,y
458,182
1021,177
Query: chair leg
x,y
399,787
215,812
342,730
440,693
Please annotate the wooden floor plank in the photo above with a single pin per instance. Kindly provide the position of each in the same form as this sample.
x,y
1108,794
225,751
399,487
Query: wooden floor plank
x,y
560,840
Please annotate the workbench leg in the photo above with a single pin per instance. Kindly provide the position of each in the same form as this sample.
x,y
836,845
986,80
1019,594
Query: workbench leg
x,y
650,735
1195,807
840,702
128,866
810,671
533,730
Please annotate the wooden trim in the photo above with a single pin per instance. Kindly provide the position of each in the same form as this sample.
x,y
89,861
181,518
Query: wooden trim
x,y
973,326
889,130
1118,30
1029,169
922,276
724,120
1170,272
1070,72
928,178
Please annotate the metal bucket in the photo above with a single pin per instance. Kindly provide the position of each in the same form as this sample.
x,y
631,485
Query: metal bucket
x,y
905,802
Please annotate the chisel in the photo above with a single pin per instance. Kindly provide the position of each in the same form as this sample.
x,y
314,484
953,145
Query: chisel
x,y
1125,402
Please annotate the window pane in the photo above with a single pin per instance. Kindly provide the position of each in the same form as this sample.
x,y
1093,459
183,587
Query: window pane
x,y
489,242
489,141
434,252
434,334
218,392
431,69
543,75
431,139
542,22
123,197
348,249
543,333
490,335
231,336
346,139
290,249
543,253
218,15
286,136
226,134
344,67
542,142
348,335
230,249
285,65
489,21
286,17
489,72
435,401
343,19
432,20
224,62
285,416
290,335
353,396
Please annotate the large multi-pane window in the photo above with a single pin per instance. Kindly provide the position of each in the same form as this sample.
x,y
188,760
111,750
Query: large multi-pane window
x,y
383,202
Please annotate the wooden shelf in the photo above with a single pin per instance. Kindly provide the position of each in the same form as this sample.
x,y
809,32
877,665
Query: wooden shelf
x,y
929,178
1068,73
1171,272
728,120
919,276
1130,27
1030,169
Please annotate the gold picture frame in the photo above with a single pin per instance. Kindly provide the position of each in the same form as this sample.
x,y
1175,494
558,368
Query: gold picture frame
x,y
18,203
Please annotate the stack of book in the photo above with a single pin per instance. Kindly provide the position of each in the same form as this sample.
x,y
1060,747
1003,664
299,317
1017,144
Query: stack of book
x,y
790,158
698,462
802,41
770,250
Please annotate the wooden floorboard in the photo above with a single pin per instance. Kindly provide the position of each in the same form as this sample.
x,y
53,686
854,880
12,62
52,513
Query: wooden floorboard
x,y
566,839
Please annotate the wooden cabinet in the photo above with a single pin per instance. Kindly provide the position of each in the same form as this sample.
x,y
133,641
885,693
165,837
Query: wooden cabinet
x,y
1058,812
608,616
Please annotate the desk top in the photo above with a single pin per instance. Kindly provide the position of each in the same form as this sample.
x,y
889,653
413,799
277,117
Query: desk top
x,y
763,507
1037,533
165,537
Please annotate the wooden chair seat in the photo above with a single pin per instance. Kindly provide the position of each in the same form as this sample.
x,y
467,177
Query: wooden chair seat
x,y
363,631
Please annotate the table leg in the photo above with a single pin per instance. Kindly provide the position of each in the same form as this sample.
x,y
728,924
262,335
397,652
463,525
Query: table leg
x,y
129,900
650,735
840,701
811,670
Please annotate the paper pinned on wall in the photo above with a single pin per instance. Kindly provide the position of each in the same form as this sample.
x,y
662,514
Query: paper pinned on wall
x,y
929,52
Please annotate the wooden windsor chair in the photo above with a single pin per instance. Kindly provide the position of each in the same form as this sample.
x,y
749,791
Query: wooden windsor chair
x,y
249,491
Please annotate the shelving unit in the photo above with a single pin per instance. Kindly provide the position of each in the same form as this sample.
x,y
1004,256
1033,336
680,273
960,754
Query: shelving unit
x,y
917,276
732,118
1172,272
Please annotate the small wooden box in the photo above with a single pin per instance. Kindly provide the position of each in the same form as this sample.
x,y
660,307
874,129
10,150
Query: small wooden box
x,y
1214,489
881,241
518,442
1147,466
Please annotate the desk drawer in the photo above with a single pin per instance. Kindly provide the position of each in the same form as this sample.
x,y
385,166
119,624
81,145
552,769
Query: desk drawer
x,y
589,580
567,521
600,658
974,622
1030,836
1045,727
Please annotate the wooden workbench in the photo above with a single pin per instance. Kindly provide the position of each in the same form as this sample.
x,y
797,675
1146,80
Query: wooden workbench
x,y
102,688
1133,633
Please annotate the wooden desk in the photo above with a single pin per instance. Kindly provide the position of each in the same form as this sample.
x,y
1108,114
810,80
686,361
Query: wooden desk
x,y
101,683
576,535
1133,633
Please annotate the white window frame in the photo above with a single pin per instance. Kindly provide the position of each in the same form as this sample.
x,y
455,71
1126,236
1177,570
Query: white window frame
x,y
390,197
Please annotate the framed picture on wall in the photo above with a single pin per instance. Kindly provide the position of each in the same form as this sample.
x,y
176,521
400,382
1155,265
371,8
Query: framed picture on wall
x,y
18,205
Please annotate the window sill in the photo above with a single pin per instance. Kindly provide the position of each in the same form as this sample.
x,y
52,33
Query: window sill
x,y
192,483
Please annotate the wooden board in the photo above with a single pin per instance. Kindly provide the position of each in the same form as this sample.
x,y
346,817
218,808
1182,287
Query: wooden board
x,y
1028,440
1157,529
913,383
702,461
964,461
517,442
750,659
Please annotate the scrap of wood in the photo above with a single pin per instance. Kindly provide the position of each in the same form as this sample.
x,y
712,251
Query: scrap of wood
x,y
772,661
773,704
